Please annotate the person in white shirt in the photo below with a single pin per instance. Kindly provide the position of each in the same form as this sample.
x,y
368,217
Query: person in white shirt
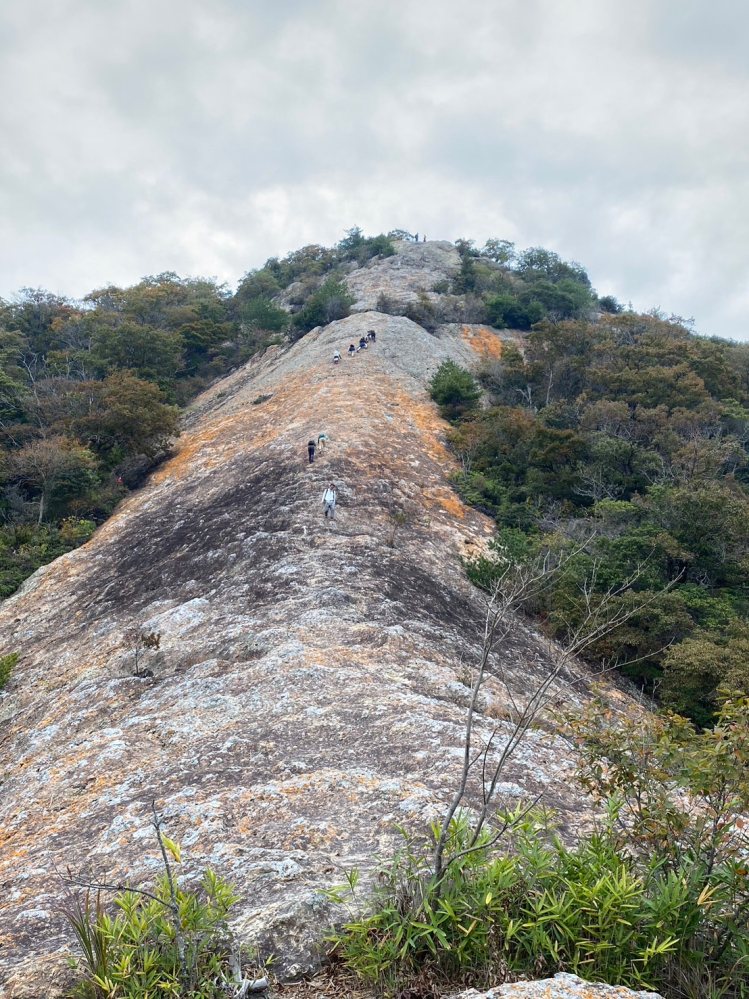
x,y
328,501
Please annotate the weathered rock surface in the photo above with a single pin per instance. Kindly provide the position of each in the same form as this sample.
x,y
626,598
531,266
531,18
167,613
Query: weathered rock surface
x,y
307,693
561,986
413,270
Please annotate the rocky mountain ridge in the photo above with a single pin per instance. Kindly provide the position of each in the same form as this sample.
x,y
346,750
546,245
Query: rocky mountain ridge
x,y
309,689
413,270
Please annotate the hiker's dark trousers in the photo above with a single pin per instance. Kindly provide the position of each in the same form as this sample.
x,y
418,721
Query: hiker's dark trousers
x,y
311,453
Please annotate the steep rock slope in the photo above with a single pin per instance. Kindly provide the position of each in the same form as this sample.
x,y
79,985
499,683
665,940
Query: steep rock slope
x,y
413,270
307,693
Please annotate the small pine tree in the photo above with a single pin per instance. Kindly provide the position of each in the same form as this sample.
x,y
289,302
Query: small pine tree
x,y
454,390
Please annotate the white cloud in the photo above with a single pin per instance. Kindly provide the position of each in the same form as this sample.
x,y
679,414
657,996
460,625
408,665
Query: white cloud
x,y
202,137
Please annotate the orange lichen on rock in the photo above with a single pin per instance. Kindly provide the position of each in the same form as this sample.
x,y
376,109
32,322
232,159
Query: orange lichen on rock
x,y
484,341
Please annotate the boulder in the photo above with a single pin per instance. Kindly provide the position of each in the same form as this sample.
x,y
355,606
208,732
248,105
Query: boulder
x,y
561,986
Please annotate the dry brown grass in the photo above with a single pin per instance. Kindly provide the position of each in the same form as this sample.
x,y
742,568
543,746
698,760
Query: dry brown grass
x,y
332,983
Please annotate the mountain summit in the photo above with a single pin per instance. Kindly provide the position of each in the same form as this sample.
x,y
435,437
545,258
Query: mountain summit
x,y
308,691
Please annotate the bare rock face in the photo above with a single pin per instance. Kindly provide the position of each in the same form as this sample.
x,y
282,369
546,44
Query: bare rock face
x,y
412,271
309,689
561,986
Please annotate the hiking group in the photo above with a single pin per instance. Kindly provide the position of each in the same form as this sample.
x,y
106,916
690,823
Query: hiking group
x,y
313,446
364,342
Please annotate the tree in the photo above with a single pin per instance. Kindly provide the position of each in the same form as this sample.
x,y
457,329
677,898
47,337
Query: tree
x,y
536,263
11,373
454,389
154,354
710,521
501,251
561,300
125,416
697,669
607,303
257,284
331,301
356,246
42,466
465,280
32,314
262,314
199,338
505,311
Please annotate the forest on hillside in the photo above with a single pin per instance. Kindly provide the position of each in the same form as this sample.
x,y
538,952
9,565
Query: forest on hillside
x,y
90,390
628,436
629,431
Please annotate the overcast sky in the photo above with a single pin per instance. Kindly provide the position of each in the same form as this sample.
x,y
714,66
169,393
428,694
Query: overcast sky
x,y
203,136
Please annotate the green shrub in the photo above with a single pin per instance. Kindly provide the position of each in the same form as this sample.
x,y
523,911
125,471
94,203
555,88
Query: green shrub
x,y
134,954
465,280
536,264
262,314
25,548
697,668
454,389
541,910
656,897
257,284
360,248
423,311
331,301
6,667
561,300
607,303
505,311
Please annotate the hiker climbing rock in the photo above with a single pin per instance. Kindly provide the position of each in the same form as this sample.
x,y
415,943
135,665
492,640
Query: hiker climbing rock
x,y
321,441
336,357
351,350
363,343
328,501
371,336
311,450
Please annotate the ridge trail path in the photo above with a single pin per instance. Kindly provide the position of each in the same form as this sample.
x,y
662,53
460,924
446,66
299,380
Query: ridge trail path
x,y
308,691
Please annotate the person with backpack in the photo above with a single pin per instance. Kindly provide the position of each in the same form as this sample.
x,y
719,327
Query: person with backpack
x,y
363,343
351,350
372,336
311,450
336,357
328,501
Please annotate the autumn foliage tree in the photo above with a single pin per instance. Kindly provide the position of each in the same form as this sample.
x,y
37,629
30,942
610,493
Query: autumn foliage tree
x,y
633,432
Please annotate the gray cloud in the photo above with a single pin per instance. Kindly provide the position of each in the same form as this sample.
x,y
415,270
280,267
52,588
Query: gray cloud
x,y
143,135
